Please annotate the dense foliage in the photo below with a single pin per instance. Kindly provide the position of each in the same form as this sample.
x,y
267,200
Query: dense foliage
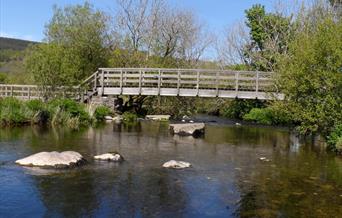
x,y
335,139
311,78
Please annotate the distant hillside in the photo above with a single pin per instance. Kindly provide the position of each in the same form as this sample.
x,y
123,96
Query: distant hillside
x,y
14,44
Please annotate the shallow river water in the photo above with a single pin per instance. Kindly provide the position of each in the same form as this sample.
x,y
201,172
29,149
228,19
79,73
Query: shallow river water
x,y
227,178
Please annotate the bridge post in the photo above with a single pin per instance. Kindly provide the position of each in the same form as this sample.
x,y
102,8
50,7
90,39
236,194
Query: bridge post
x,y
159,81
140,76
178,81
121,78
11,91
102,82
217,83
257,84
95,81
198,83
81,92
29,93
236,83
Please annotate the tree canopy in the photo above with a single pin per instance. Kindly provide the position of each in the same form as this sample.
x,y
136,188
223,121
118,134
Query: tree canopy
x,y
311,78
77,40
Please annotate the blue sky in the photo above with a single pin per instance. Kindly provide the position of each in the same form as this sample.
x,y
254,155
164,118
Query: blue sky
x,y
25,19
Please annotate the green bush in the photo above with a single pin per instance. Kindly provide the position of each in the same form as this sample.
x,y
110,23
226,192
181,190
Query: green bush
x,y
311,79
13,112
35,105
101,112
3,78
64,109
129,117
334,139
237,108
268,116
260,115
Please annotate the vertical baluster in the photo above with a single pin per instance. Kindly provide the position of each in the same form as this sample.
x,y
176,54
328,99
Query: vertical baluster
x,y
159,81
140,76
121,77
178,81
236,82
102,82
257,84
197,83
217,83
95,81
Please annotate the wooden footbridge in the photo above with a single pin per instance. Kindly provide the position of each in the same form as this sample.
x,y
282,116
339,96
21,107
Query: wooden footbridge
x,y
160,82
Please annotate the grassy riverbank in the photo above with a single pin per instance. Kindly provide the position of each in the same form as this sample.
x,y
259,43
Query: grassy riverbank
x,y
14,112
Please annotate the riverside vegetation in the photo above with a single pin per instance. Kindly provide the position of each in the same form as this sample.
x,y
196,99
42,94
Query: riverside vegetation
x,y
56,112
303,47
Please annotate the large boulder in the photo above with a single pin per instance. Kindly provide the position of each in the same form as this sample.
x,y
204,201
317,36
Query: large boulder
x,y
194,129
111,156
174,164
53,159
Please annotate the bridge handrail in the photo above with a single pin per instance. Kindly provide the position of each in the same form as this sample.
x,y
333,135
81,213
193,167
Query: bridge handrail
x,y
185,70
139,79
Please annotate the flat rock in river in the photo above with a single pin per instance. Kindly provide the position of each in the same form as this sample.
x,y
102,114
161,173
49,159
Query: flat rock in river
x,y
176,164
111,156
53,159
187,128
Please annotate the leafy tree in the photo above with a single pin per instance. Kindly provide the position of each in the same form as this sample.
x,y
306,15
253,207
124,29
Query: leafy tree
x,y
51,65
77,44
270,34
311,78
3,78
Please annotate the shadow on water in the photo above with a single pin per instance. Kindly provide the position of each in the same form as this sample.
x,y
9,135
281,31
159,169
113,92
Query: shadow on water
x,y
227,178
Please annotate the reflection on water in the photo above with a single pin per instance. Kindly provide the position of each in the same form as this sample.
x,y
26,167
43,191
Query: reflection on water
x,y
227,178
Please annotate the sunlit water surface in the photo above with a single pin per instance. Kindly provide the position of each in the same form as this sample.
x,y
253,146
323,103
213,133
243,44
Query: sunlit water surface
x,y
227,178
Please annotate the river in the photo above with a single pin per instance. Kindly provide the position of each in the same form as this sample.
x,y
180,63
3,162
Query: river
x,y
227,177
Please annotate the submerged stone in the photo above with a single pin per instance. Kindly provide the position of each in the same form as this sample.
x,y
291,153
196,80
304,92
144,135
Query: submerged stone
x,y
118,119
264,159
111,156
158,117
53,159
109,118
194,129
176,164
